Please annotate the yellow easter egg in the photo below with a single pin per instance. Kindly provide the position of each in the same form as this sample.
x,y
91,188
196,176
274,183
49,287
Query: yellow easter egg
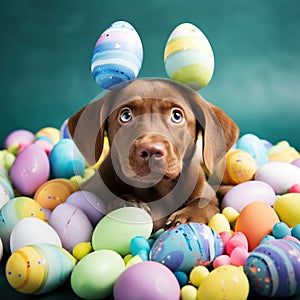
x,y
81,250
231,214
134,260
219,223
198,274
240,166
188,292
22,276
287,208
225,282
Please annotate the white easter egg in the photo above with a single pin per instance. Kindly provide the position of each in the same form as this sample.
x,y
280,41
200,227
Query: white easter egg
x,y
29,231
279,175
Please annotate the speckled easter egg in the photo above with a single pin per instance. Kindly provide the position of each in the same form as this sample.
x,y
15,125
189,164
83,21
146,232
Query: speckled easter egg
x,y
273,268
6,190
255,221
54,192
279,175
188,56
117,56
38,269
255,147
15,210
187,245
30,169
244,193
66,160
240,166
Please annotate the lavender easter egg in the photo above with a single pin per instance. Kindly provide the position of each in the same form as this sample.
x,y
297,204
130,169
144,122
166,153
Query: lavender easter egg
x,y
188,56
19,138
117,56
30,169
187,245
273,268
38,269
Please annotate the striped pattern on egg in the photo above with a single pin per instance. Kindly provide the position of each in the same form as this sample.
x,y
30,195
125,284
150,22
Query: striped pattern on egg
x,y
273,268
117,56
188,56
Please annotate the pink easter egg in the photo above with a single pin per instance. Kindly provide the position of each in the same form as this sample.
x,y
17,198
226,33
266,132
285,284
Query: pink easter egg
x,y
30,169
239,256
221,260
295,188
21,138
238,239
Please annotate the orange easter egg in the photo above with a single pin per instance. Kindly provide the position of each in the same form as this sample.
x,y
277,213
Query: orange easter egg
x,y
256,220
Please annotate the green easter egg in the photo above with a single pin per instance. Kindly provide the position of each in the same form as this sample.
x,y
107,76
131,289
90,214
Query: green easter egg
x,y
117,228
95,274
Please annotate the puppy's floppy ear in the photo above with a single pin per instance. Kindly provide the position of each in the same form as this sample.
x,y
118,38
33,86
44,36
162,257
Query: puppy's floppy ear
x,y
87,128
220,132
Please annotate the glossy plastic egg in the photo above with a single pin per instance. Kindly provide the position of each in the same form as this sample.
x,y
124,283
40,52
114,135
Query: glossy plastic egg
x,y
117,228
66,160
29,231
38,269
240,167
30,169
187,245
287,207
255,147
188,56
247,192
279,175
225,282
90,204
71,224
96,273
273,269
64,131
19,139
51,133
54,192
117,56
15,210
147,280
255,221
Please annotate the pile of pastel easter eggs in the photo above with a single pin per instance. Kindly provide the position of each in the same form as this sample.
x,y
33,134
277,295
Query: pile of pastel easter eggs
x,y
54,232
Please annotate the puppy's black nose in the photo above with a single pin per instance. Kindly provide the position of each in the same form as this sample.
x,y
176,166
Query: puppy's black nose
x,y
156,151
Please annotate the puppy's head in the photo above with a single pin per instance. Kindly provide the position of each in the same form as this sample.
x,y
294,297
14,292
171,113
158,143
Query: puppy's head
x,y
154,127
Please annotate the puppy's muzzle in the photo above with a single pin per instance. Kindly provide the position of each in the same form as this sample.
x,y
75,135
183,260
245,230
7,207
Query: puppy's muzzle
x,y
147,157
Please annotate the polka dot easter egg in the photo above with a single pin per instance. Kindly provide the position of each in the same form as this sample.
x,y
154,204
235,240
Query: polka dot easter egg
x,y
188,56
117,56
38,269
187,245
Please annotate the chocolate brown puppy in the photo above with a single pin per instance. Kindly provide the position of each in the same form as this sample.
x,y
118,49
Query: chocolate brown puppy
x,y
162,135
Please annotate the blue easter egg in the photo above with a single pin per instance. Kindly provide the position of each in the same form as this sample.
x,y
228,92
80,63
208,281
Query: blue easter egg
x,y
255,147
117,56
187,245
65,160
273,269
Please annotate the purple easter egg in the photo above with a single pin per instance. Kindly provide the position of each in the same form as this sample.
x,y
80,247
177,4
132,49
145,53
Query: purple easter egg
x,y
30,169
296,162
273,269
91,205
20,137
182,247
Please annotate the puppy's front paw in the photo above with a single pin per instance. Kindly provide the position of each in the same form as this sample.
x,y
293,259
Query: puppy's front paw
x,y
181,216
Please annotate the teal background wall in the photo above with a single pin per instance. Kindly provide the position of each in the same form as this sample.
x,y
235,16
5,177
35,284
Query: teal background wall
x,y
46,49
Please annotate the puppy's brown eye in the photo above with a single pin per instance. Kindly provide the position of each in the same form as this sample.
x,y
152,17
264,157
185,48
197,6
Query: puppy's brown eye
x,y
125,115
176,115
